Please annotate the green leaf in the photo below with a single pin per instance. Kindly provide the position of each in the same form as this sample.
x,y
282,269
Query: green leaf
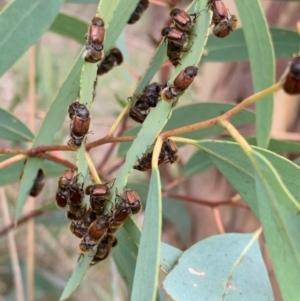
x,y
11,174
261,55
158,117
196,113
73,282
115,15
22,23
124,255
12,128
147,266
82,1
169,257
279,146
235,49
198,163
50,126
279,215
229,158
70,27
226,270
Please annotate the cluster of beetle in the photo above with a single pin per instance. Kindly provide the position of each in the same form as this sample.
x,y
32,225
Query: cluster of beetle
x,y
94,226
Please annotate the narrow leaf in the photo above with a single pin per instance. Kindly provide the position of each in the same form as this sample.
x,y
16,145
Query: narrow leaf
x,y
50,126
12,128
235,49
261,56
23,21
279,215
70,27
229,158
147,266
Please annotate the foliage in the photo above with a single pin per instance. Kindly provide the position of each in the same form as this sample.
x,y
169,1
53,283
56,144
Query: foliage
x,y
225,266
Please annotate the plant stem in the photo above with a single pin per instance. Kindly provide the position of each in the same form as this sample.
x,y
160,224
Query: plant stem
x,y
12,160
156,152
236,135
92,168
115,125
226,116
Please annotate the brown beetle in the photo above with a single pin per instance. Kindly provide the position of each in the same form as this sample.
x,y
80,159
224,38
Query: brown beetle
x,y
291,84
225,27
136,15
130,204
62,193
94,43
170,150
76,206
182,20
219,10
185,78
99,194
137,115
133,199
92,55
103,248
80,124
96,231
38,184
112,59
145,162
77,229
170,94
177,43
149,97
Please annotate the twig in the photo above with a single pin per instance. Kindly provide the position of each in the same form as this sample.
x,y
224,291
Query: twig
x,y
205,202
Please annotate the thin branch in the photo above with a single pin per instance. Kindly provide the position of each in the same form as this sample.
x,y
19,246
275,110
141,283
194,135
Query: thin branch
x,y
212,204
226,116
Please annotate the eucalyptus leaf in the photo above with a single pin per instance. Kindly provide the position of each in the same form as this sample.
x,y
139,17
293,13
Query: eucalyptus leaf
x,y
22,23
279,215
262,62
221,267
12,128
235,49
147,268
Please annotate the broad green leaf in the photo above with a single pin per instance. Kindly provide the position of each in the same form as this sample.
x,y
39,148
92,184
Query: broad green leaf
x,y
11,174
235,49
70,27
50,126
198,163
261,56
279,215
81,266
229,158
196,113
147,266
221,267
168,257
22,23
12,128
279,146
